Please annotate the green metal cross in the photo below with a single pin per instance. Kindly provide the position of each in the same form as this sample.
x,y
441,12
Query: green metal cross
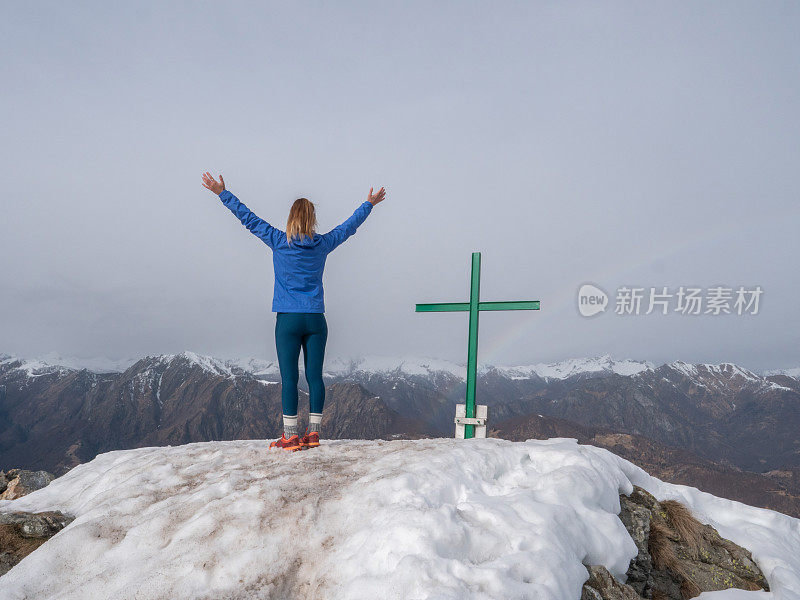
x,y
474,306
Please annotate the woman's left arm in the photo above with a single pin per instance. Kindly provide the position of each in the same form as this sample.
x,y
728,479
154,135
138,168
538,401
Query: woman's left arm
x,y
257,226
338,235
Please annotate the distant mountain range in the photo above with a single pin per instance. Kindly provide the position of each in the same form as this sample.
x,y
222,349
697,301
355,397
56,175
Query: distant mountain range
x,y
699,418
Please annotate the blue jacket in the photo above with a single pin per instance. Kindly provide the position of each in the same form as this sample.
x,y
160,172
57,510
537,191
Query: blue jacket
x,y
298,268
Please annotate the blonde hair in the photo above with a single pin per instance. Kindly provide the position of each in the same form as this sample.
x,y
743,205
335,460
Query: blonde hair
x,y
302,220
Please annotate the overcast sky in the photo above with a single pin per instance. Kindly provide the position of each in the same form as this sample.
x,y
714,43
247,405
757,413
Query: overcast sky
x,y
624,144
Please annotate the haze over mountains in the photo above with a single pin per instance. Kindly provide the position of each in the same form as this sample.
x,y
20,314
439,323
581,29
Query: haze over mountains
x,y
705,425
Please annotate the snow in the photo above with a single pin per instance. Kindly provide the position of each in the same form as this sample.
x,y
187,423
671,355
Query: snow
x,y
54,362
386,365
230,368
404,367
731,370
684,368
268,372
420,366
793,373
445,519
255,366
775,386
427,366
158,389
720,375
34,368
579,366
210,364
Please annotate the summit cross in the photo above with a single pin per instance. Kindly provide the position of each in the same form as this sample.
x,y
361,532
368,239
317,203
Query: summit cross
x,y
474,306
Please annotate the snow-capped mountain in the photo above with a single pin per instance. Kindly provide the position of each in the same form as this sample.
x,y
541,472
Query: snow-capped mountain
x,y
53,360
389,365
474,519
401,366
578,367
793,373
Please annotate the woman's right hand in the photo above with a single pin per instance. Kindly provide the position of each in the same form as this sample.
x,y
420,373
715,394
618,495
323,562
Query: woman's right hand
x,y
212,184
375,198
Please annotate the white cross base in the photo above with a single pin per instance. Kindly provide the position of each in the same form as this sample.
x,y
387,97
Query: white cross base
x,y
481,412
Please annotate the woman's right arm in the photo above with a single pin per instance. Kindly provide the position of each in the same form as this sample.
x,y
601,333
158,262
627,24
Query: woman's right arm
x,y
255,225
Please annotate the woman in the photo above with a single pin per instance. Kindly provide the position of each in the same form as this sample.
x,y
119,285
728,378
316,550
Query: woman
x,y
298,255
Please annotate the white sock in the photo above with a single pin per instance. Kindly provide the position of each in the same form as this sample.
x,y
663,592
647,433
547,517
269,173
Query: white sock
x,y
289,425
314,422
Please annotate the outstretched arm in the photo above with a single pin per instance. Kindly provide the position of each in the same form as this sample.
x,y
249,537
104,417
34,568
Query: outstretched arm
x,y
258,227
338,235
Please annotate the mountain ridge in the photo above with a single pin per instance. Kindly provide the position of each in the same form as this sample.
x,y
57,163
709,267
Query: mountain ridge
x,y
409,365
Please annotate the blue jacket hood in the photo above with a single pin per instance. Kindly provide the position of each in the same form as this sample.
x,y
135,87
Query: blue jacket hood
x,y
305,241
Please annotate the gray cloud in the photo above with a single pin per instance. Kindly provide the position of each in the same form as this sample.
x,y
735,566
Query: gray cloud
x,y
624,144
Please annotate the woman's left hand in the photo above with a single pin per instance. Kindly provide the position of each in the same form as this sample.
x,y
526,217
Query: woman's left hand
x,y
212,184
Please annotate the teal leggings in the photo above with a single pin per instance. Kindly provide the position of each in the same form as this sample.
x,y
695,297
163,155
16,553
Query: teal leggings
x,y
308,331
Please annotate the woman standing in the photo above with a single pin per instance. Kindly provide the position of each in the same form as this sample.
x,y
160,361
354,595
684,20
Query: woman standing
x,y
298,257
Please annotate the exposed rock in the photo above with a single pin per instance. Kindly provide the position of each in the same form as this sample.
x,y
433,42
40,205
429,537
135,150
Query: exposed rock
x,y
22,532
602,585
636,518
679,557
18,482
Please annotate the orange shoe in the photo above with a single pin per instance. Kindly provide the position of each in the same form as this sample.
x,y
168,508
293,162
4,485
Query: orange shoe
x,y
292,444
310,440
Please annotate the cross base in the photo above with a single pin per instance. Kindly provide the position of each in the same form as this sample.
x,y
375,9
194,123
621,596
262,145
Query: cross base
x,y
478,422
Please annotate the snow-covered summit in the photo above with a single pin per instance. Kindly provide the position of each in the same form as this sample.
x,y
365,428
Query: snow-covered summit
x,y
407,366
255,366
548,371
213,365
722,375
32,367
793,373
374,364
579,366
52,362
726,370
411,519
422,366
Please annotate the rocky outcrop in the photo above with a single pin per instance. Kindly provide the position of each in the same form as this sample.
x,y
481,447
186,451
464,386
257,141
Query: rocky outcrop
x,y
21,533
678,557
602,585
15,483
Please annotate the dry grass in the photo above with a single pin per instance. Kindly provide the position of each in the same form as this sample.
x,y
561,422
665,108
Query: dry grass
x,y
689,529
661,547
682,525
689,589
16,545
